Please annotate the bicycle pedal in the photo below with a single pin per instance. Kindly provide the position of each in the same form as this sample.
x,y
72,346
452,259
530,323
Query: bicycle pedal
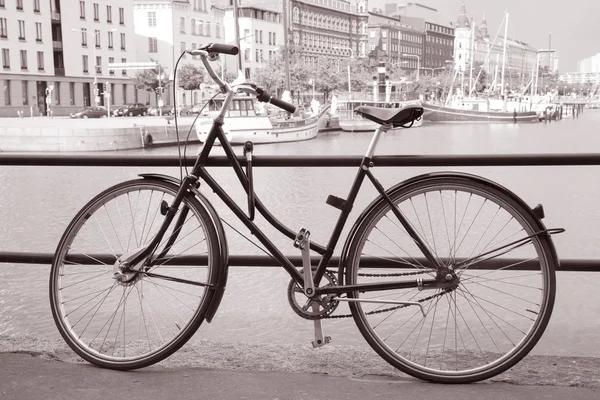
x,y
321,343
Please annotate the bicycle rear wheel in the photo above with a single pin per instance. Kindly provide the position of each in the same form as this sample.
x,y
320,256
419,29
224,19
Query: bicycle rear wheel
x,y
492,317
136,323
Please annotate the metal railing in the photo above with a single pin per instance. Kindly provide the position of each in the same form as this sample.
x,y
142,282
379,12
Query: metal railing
x,y
116,160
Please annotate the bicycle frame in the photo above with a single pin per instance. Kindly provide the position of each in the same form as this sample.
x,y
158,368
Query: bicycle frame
x,y
199,172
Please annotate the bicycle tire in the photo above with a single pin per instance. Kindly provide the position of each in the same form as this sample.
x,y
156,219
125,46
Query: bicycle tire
x,y
119,325
467,353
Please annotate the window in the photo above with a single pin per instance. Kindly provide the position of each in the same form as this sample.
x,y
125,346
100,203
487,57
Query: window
x,y
7,93
36,6
20,5
122,41
207,28
183,48
152,45
82,10
3,28
274,41
23,59
110,40
85,64
255,36
5,58
84,37
121,16
57,93
25,92
109,14
247,35
124,71
98,64
40,60
200,27
72,93
256,55
182,24
38,32
21,30
193,27
152,18
247,55
2,5
96,12
218,30
110,61
270,38
97,38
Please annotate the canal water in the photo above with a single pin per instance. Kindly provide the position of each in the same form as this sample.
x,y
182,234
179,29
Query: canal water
x,y
37,203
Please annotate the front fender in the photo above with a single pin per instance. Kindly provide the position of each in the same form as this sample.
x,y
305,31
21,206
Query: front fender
x,y
394,189
223,267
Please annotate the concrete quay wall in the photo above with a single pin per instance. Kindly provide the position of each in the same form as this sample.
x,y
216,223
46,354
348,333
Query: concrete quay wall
x,y
65,135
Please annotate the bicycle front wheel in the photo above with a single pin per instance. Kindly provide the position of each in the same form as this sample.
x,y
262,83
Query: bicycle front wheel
x,y
133,323
503,297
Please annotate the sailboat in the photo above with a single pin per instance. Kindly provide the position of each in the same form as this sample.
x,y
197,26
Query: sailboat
x,y
462,108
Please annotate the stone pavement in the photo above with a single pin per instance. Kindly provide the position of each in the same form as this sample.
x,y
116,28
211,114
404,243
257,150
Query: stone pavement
x,y
28,377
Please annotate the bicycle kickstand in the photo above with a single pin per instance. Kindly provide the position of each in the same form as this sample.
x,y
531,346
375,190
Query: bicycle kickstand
x,y
303,243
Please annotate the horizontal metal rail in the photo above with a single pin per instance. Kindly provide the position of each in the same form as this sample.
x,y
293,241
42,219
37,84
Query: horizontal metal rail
x,y
266,261
126,160
116,160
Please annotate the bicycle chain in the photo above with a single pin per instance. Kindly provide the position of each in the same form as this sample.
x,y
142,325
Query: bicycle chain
x,y
433,296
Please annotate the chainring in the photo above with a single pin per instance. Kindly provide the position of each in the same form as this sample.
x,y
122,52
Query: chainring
x,y
325,306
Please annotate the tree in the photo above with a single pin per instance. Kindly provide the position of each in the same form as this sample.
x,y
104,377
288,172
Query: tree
x,y
190,77
148,79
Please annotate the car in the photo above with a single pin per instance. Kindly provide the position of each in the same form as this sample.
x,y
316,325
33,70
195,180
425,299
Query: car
x,y
197,109
114,110
90,112
165,110
133,109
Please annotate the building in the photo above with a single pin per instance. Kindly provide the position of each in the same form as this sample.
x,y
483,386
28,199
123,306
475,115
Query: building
x,y
400,45
55,58
589,65
330,29
473,46
260,25
438,46
165,29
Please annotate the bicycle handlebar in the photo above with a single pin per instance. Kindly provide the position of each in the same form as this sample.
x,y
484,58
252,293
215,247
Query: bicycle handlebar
x,y
265,97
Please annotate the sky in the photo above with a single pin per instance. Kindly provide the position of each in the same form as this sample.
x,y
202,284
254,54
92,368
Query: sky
x,y
573,24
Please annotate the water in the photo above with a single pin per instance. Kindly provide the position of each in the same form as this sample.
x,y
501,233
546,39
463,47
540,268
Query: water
x,y
37,203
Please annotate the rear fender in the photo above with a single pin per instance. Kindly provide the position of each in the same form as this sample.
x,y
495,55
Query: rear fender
x,y
536,213
223,264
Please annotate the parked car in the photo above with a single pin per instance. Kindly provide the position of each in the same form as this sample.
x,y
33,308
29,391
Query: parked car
x,y
134,109
90,112
165,110
117,111
197,109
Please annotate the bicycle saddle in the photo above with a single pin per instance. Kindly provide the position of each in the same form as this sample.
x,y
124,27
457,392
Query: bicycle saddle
x,y
390,116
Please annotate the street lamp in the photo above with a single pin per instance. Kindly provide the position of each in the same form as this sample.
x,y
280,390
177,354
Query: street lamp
x,y
351,56
95,33
418,62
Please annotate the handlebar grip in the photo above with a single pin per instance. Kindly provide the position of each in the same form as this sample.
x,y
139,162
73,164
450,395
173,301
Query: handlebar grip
x,y
223,49
267,98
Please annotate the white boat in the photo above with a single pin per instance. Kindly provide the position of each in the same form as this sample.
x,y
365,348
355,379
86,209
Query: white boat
x,y
249,120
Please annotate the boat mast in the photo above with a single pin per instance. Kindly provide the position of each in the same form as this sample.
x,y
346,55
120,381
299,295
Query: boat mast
x,y
504,53
471,57
286,54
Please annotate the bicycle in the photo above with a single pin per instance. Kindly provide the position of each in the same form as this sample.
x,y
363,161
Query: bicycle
x,y
145,262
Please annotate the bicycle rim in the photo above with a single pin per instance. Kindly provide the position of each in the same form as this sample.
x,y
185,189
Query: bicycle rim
x,y
492,318
126,325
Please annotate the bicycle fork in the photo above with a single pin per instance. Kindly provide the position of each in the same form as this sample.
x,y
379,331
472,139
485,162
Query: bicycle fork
x,y
303,243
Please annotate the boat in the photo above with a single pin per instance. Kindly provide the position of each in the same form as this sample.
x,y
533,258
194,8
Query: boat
x,y
249,120
475,110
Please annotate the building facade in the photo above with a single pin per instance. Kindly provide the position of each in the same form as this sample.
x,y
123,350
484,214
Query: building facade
x,y
49,53
589,65
328,29
473,45
438,45
261,35
165,29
